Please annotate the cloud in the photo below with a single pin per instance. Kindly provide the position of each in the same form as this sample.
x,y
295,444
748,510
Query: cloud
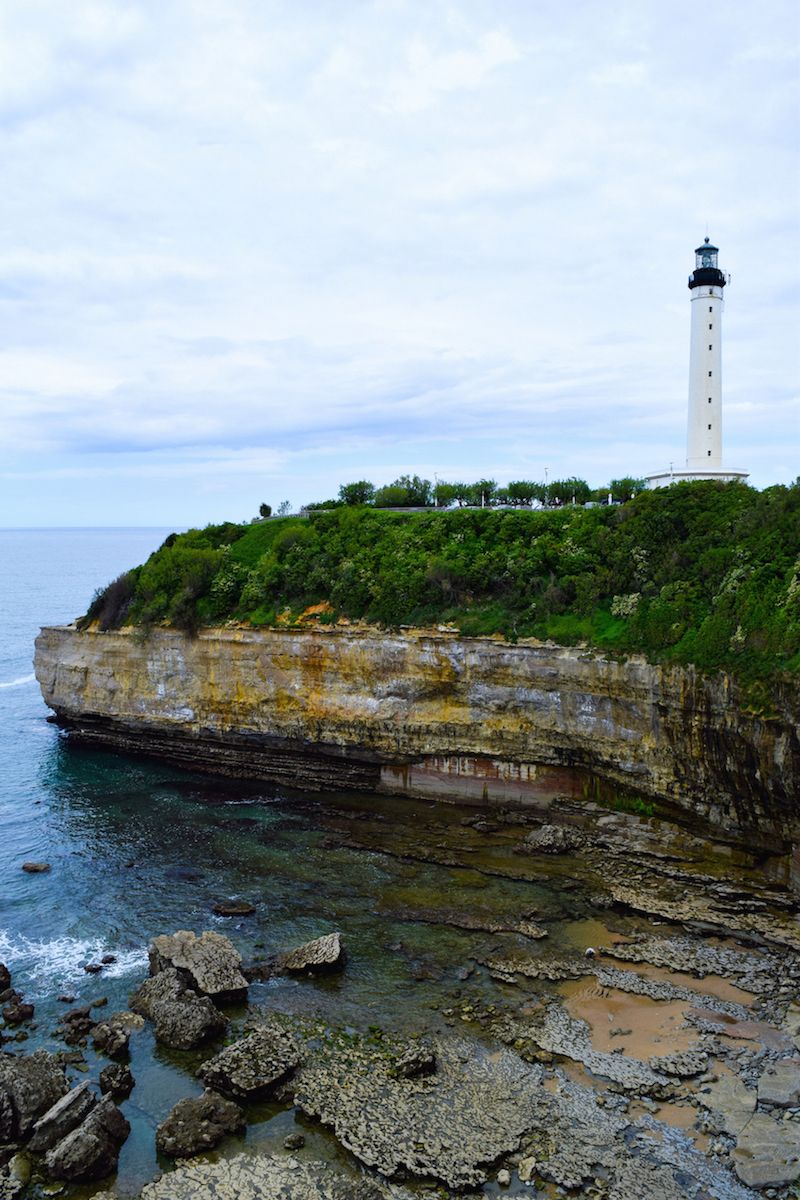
x,y
335,240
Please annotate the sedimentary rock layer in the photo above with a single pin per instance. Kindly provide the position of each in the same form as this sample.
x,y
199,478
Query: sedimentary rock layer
x,y
431,714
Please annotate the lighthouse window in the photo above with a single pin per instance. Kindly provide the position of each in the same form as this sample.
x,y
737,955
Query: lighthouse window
x,y
709,454
709,374
709,399
710,309
709,345
709,427
711,327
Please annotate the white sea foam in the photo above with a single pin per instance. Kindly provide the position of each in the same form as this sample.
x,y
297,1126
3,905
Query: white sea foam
x,y
23,679
52,964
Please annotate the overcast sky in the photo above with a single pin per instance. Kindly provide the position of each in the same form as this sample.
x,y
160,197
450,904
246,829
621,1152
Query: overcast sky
x,y
251,250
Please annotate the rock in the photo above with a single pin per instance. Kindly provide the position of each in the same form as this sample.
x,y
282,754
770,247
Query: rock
x,y
262,1176
526,1168
182,1019
210,963
294,1141
733,1102
416,1059
91,1150
116,1081
254,1066
780,1083
233,908
30,1084
111,1039
320,956
17,1011
76,1024
504,1177
551,839
107,959
93,968
684,1065
66,1114
197,1124
5,977
767,1152
35,868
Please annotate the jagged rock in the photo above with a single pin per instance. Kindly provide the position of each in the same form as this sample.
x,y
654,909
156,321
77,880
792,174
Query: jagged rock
x,y
418,1058
5,977
210,963
111,1039
253,1066
91,1150
65,1115
116,1081
76,1024
198,1123
780,1084
320,956
767,1152
16,1010
30,1084
250,1177
449,1126
233,908
15,1176
35,868
181,1018
551,839
684,1064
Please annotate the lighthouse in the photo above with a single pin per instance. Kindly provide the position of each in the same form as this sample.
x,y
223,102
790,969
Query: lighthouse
x,y
704,427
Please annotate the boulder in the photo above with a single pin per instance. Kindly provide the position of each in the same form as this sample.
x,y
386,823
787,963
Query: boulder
x,y
684,1064
321,956
76,1024
30,1084
117,1081
551,839
16,1010
780,1084
35,868
233,908
418,1058
197,1124
182,1019
254,1066
5,977
65,1115
111,1039
210,963
767,1152
92,1149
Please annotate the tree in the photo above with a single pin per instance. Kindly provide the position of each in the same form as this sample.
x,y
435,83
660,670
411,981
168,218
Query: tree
x,y
284,508
626,488
445,494
361,492
393,495
265,510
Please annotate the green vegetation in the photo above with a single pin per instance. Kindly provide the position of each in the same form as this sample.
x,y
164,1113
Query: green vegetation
x,y
703,573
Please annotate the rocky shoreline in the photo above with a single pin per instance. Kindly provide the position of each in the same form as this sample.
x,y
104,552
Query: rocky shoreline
x,y
661,1061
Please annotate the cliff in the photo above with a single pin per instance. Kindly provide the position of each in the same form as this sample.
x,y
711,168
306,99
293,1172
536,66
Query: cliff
x,y
432,714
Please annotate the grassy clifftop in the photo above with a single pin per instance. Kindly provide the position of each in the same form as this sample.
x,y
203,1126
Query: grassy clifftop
x,y
700,573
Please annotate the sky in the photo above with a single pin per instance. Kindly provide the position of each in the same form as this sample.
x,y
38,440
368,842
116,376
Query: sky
x,y
252,250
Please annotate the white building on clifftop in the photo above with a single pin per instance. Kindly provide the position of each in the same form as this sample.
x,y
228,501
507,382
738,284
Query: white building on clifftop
x,y
704,434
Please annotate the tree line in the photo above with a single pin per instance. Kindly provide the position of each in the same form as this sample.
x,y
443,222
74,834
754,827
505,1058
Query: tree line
x,y
410,491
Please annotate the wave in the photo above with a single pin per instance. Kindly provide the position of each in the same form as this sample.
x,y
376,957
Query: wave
x,y
23,679
61,960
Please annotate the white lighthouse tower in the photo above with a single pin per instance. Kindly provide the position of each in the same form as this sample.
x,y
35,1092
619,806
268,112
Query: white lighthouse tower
x,y
704,432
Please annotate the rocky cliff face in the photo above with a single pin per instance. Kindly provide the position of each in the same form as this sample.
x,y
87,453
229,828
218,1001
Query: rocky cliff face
x,y
431,714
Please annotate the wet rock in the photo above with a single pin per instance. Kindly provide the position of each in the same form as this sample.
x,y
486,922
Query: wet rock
x,y
92,1149
5,977
731,1100
76,1024
418,1058
116,1081
767,1152
93,968
294,1141
551,839
197,1124
780,1084
16,1010
210,963
30,1084
248,1177
36,868
254,1066
684,1065
181,1018
66,1114
107,959
111,1039
320,956
233,908
450,1126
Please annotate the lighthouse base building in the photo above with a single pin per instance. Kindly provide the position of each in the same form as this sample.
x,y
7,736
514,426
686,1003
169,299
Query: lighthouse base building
x,y
704,434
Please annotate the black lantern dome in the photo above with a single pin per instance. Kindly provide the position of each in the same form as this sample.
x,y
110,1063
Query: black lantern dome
x,y
706,270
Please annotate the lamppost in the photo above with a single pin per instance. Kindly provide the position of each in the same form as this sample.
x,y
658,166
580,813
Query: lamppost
x,y
545,485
